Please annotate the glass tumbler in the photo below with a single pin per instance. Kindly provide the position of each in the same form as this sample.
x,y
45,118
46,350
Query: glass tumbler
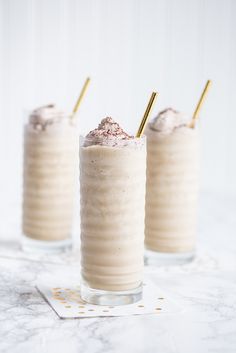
x,y
50,157
112,191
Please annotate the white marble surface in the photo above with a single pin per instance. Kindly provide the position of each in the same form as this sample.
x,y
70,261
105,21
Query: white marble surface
x,y
206,288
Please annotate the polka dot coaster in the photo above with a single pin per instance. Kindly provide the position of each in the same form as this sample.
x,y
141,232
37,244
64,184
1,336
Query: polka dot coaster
x,y
67,303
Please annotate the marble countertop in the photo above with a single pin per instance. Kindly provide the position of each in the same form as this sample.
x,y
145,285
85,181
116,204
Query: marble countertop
x,y
206,288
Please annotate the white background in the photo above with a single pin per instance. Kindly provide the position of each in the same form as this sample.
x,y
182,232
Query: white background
x,y
129,48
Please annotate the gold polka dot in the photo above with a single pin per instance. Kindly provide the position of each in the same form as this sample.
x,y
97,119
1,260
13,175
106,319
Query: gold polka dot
x,y
67,306
56,288
63,302
81,312
75,299
140,306
81,306
90,309
158,309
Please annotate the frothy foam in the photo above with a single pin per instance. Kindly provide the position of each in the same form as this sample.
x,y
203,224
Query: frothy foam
x,y
168,120
108,133
47,115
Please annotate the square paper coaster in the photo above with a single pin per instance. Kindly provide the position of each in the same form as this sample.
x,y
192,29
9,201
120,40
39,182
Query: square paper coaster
x,y
67,303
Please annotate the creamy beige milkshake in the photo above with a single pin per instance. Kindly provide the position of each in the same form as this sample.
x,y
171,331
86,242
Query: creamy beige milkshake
x,y
172,186
50,153
112,190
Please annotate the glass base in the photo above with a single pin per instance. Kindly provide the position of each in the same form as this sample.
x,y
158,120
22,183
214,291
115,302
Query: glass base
x,y
45,247
154,258
111,298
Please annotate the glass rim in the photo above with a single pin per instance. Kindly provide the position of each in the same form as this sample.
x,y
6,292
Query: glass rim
x,y
97,138
135,142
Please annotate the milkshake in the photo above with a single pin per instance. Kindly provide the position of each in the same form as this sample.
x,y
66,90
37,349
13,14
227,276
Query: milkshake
x,y
50,153
112,191
172,188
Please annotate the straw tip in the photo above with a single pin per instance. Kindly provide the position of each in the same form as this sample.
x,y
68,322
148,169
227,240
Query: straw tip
x,y
146,114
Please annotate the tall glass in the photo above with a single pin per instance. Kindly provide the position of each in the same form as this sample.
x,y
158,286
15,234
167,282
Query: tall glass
x,y
171,195
112,191
50,156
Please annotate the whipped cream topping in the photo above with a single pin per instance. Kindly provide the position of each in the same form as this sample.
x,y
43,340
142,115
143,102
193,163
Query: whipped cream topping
x,y
108,132
41,117
168,120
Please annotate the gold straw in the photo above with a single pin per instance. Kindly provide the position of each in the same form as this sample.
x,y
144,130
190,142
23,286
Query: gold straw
x,y
146,114
199,105
82,93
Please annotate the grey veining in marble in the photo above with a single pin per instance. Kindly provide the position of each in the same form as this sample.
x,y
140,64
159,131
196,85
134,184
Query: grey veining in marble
x,y
206,289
